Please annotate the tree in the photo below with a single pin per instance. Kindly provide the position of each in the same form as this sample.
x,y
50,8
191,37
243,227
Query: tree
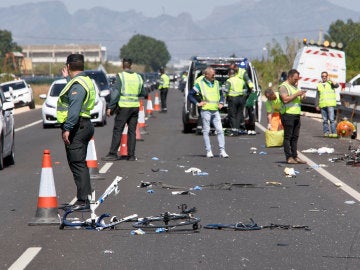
x,y
7,45
347,33
146,50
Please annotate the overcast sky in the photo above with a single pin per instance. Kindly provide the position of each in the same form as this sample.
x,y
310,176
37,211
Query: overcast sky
x,y
152,8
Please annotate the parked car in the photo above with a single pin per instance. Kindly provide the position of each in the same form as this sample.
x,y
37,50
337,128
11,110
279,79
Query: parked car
x,y
353,85
101,79
190,113
98,114
20,92
7,142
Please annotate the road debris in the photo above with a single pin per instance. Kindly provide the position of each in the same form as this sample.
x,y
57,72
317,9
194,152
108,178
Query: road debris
x,y
290,172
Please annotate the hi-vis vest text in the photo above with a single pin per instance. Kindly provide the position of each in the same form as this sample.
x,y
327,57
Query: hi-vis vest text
x,y
211,95
236,86
327,95
164,81
88,103
293,107
131,85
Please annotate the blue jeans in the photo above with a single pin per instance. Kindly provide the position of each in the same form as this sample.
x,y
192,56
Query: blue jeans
x,y
214,117
328,114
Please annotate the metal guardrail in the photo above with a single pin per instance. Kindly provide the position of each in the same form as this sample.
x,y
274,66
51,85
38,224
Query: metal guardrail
x,y
350,107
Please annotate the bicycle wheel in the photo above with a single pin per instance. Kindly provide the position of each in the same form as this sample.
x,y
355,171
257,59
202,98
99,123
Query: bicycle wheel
x,y
167,221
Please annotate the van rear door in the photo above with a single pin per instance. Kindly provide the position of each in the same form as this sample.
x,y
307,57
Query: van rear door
x,y
313,60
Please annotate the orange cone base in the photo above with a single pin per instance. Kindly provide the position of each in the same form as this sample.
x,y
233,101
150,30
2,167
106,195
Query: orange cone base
x,y
45,216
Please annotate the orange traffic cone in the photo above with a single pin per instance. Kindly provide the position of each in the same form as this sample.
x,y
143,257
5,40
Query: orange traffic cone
x,y
149,107
138,133
123,150
47,206
91,161
141,119
157,103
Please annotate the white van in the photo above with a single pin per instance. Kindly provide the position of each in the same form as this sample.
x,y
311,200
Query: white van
x,y
310,61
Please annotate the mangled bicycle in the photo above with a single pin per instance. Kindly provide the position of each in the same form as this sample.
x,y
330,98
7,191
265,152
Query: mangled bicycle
x,y
95,222
167,221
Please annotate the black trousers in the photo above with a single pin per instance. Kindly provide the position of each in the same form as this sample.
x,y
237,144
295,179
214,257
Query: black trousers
x,y
76,151
291,123
236,111
250,111
124,116
163,97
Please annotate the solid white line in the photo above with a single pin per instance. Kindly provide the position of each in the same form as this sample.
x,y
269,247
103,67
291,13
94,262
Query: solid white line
x,y
336,181
29,125
106,167
25,258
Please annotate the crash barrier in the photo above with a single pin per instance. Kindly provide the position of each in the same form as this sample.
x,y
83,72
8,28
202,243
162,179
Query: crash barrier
x,y
349,108
47,206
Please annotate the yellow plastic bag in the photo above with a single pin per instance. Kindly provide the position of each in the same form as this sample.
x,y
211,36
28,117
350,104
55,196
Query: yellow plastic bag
x,y
274,138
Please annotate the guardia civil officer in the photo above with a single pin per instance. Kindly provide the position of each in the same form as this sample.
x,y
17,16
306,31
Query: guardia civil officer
x,y
75,102
164,85
124,102
234,88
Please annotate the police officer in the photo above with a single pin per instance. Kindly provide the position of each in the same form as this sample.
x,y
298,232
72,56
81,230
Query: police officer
x,y
124,102
75,102
290,115
234,87
326,103
251,96
164,85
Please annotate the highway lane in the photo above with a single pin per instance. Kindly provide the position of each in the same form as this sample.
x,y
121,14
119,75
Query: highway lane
x,y
309,199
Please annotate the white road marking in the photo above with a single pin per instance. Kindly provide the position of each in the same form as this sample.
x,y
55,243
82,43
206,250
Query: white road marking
x,y
29,125
336,181
106,167
73,201
25,258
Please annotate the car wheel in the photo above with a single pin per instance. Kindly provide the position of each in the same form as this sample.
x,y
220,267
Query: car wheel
x,y
32,104
1,155
10,160
187,128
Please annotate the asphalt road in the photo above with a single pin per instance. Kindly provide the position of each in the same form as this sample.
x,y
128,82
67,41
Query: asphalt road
x,y
310,199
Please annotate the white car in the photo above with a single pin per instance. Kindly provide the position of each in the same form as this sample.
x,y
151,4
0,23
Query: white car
x,y
19,92
98,114
353,86
7,144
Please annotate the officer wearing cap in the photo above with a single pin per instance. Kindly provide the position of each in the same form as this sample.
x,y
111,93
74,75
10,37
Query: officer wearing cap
x,y
124,101
164,85
75,102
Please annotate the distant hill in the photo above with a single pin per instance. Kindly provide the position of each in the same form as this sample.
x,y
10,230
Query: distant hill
x,y
242,28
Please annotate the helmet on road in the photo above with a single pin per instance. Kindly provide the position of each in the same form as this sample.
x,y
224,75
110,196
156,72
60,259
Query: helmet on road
x,y
345,128
242,64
